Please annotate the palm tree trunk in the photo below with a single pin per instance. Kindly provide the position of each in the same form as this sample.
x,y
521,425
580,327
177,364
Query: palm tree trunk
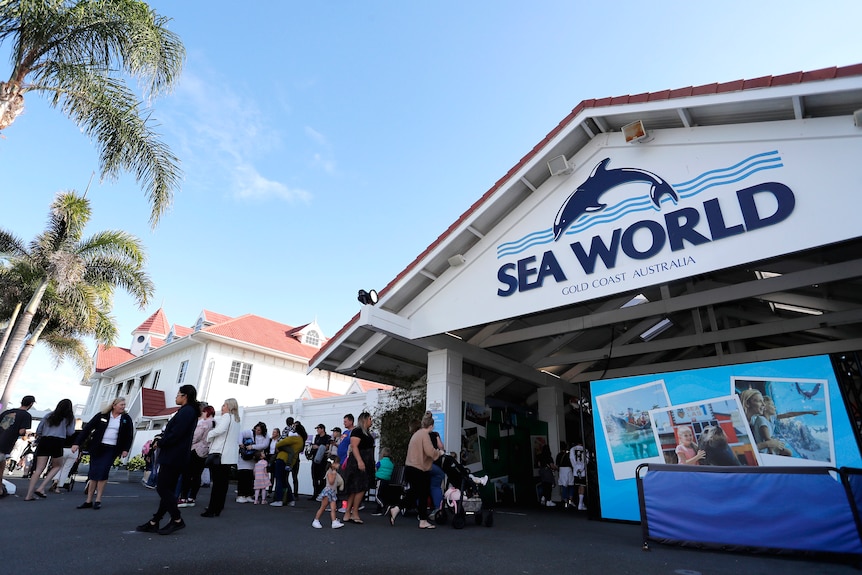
x,y
22,360
19,334
8,329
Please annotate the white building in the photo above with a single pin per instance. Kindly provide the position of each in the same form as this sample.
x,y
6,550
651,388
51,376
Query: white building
x,y
256,360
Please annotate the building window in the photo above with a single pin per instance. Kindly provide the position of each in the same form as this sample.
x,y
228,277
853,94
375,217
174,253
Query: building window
x,y
156,378
182,375
239,373
312,338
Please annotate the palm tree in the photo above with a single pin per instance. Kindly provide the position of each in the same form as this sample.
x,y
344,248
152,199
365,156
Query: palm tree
x,y
79,54
70,282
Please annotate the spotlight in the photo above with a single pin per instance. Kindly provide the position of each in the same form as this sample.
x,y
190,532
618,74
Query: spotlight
x,y
367,297
636,133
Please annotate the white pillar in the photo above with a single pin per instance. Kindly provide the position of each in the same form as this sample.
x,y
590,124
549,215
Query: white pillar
x,y
444,388
551,410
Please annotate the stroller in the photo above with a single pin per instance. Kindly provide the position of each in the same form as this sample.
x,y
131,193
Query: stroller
x,y
462,497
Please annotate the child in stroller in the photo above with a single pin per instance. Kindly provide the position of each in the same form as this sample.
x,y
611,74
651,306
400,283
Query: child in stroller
x,y
461,498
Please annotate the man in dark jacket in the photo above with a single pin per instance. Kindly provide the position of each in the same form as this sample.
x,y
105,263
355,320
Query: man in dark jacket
x,y
174,453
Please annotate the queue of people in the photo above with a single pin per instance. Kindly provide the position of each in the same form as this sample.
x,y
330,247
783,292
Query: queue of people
x,y
195,439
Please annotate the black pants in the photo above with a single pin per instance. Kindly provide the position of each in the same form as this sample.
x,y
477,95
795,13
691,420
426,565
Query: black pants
x,y
192,479
220,474
245,482
420,489
166,487
318,476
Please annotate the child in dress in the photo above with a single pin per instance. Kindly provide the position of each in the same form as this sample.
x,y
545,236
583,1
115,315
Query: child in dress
x,y
261,477
687,452
329,496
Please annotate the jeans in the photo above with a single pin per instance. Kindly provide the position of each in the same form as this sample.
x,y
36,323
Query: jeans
x,y
281,483
437,476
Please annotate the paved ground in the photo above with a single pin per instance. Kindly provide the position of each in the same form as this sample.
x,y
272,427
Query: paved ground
x,y
52,536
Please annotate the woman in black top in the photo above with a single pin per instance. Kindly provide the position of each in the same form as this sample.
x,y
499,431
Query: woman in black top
x,y
360,469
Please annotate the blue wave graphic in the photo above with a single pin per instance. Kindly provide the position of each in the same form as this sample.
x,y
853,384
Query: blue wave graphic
x,y
709,179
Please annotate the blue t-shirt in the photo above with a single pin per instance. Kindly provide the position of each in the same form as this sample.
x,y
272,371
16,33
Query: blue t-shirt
x,y
344,446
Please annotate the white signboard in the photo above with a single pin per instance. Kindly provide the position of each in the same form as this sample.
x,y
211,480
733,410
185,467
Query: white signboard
x,y
630,216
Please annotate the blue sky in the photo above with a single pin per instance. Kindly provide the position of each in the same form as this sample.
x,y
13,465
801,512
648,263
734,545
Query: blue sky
x,y
326,145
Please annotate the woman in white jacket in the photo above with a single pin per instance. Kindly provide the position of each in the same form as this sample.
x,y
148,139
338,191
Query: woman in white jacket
x,y
255,440
224,440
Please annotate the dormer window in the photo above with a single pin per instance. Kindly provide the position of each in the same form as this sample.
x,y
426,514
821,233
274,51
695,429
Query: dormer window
x,y
312,338
199,324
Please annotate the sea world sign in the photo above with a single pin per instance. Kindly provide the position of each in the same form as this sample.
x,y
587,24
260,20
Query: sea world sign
x,y
596,245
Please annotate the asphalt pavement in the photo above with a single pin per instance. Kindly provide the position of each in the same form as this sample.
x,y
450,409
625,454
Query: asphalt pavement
x,y
52,536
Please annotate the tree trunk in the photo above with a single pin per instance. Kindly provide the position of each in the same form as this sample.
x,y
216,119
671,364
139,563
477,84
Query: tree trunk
x,y
19,334
22,361
9,327
11,104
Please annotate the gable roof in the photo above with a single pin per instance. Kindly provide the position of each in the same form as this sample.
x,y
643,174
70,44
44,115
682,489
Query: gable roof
x,y
514,354
715,88
263,332
312,393
156,324
182,331
212,317
364,385
108,357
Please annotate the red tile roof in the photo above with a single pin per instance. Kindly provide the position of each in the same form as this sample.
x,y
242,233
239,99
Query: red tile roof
x,y
214,318
369,385
715,88
263,332
108,357
182,331
156,324
153,403
319,393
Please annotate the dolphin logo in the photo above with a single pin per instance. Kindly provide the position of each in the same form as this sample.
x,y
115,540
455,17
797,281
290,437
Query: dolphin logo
x,y
585,199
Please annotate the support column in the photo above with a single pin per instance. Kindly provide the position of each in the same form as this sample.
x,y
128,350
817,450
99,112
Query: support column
x,y
444,390
551,410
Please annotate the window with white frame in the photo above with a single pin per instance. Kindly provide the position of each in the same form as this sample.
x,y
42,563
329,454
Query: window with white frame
x,y
312,338
181,377
156,378
239,373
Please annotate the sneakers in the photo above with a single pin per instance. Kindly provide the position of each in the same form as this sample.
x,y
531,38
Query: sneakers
x,y
582,507
171,527
479,480
292,503
316,524
550,504
244,499
277,504
336,524
148,527
181,503
190,502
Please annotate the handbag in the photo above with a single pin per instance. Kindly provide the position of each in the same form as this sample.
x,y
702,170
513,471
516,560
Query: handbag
x,y
212,460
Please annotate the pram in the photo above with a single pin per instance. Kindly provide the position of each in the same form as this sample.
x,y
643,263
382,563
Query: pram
x,y
462,497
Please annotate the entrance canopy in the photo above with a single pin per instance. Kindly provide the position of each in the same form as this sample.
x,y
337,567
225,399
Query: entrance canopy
x,y
726,231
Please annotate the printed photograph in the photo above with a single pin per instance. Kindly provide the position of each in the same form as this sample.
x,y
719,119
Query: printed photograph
x,y
789,419
627,426
709,432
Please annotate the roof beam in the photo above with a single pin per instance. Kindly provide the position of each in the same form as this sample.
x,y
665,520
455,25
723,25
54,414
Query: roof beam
x,y
824,274
709,338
